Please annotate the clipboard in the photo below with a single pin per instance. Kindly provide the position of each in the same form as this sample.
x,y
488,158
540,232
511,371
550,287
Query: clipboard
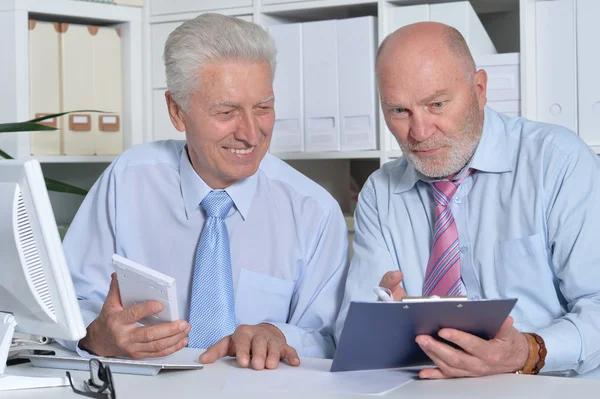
x,y
380,335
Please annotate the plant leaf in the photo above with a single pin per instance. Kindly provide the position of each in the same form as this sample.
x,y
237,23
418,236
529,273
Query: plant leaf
x,y
5,155
54,185
23,127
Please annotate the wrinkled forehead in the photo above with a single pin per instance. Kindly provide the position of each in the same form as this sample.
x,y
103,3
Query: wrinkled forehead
x,y
414,81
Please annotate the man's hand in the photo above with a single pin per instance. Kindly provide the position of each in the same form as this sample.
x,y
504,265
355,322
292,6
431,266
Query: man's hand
x,y
264,342
507,352
115,332
391,281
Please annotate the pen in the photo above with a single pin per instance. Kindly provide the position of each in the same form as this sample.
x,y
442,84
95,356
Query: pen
x,y
383,294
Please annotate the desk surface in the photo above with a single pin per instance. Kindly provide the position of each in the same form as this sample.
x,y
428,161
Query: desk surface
x,y
209,383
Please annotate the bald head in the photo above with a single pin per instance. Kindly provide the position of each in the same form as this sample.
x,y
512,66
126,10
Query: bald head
x,y
426,40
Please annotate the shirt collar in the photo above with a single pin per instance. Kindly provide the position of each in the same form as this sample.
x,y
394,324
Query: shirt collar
x,y
194,189
494,154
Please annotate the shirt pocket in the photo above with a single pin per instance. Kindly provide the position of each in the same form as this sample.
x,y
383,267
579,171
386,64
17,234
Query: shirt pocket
x,y
262,298
523,272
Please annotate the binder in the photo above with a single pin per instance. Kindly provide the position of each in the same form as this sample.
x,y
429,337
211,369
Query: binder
x,y
321,91
44,85
399,17
107,128
461,16
288,132
588,62
77,60
556,63
381,335
356,43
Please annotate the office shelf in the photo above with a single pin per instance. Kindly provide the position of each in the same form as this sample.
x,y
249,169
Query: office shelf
x,y
76,159
329,155
14,64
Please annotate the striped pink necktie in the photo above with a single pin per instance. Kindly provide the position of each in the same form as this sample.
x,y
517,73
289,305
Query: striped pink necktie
x,y
443,269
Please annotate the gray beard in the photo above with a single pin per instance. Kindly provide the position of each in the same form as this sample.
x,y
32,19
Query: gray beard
x,y
461,150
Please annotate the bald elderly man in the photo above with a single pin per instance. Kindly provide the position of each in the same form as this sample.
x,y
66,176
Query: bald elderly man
x,y
481,205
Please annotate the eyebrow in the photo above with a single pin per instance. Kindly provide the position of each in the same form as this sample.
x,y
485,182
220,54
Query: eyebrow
x,y
388,103
234,105
433,96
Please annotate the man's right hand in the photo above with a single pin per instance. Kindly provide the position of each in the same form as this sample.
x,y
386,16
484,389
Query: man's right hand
x,y
391,281
115,332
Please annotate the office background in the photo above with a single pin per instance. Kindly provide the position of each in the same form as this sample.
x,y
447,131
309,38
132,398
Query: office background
x,y
541,57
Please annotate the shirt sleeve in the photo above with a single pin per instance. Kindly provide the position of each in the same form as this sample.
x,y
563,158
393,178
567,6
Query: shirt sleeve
x,y
372,258
573,215
89,245
316,303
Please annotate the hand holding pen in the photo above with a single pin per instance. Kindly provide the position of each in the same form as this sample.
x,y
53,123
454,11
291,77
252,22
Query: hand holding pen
x,y
389,289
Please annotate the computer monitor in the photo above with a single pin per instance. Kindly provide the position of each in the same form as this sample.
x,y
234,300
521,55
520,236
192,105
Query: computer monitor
x,y
37,296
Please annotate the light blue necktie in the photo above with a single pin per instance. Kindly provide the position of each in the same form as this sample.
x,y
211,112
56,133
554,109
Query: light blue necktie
x,y
212,308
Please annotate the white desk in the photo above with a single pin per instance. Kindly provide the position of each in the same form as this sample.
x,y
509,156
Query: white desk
x,y
209,382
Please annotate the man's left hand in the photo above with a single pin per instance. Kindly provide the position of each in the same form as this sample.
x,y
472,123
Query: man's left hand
x,y
507,352
259,346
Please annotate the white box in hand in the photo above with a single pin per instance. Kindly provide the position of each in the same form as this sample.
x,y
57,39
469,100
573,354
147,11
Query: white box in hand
x,y
138,284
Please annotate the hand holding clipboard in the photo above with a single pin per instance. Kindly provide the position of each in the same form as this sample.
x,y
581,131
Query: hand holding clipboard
x,y
380,335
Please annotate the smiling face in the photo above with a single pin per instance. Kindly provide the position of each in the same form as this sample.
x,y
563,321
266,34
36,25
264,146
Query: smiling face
x,y
229,123
432,103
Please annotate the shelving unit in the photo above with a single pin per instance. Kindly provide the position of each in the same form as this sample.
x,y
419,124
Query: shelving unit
x,y
328,155
14,65
509,23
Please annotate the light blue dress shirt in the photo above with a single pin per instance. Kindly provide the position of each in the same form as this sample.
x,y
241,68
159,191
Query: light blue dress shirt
x,y
528,222
288,239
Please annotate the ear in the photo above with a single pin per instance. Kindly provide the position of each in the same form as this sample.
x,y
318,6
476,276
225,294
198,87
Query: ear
x,y
175,112
480,81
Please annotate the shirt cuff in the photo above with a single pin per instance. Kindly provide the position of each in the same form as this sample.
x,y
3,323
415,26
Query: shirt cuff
x,y
563,344
292,337
88,317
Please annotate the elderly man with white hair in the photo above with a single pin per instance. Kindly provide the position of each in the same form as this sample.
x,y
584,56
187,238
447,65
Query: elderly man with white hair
x,y
258,251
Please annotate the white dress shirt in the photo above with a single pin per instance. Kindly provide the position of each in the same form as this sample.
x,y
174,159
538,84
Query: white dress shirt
x,y
288,240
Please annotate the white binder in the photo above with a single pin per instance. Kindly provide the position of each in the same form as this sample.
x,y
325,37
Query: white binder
x,y
77,53
356,43
159,34
44,85
321,114
461,16
288,133
588,61
556,63
108,128
406,15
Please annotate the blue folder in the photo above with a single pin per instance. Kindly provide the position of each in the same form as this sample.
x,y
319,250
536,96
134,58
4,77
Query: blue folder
x,y
380,335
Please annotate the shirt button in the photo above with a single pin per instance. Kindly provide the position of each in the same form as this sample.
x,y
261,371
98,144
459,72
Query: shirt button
x,y
457,200
463,250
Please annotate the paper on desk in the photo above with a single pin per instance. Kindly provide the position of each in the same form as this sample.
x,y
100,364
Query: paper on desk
x,y
313,376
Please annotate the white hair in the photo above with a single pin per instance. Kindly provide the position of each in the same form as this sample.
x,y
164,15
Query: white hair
x,y
210,38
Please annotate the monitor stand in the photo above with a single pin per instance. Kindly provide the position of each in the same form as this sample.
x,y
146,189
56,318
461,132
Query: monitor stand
x,y
10,381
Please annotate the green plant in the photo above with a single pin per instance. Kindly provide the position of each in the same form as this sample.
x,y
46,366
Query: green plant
x,y
33,126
